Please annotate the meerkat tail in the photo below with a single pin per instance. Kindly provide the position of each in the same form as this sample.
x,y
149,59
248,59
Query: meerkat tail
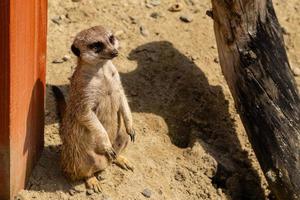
x,y
60,101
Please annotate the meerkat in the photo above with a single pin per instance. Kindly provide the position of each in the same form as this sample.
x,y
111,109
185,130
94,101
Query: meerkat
x,y
91,119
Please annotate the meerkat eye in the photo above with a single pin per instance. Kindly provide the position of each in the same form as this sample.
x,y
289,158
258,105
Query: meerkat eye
x,y
97,46
112,39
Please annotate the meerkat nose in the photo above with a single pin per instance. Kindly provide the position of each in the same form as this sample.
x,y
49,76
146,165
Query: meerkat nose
x,y
114,53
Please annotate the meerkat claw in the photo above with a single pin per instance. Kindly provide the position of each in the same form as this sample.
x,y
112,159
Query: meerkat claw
x,y
123,163
111,153
132,136
94,184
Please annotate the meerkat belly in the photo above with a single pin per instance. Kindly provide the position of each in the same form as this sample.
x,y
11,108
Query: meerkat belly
x,y
107,111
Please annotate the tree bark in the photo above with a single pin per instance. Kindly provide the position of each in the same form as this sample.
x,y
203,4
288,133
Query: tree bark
x,y
255,65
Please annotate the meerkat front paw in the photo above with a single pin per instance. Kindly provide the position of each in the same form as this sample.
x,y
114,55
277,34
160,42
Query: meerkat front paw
x,y
94,184
110,152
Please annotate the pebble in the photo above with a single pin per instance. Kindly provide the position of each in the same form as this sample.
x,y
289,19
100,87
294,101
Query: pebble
x,y
147,193
72,192
19,197
119,33
133,93
296,71
191,2
105,197
133,20
76,0
66,58
154,2
210,13
216,60
79,188
179,176
57,61
63,196
56,20
90,192
155,15
176,7
284,31
219,191
148,5
144,31
186,18
194,58
102,176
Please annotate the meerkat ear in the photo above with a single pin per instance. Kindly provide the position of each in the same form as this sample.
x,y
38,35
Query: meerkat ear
x,y
75,50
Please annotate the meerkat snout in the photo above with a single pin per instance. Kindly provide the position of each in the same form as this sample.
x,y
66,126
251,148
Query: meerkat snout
x,y
95,45
114,53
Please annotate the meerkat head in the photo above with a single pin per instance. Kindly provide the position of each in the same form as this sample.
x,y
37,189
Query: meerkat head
x,y
95,45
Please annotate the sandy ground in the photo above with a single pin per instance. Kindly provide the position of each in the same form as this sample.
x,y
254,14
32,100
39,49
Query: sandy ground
x,y
190,143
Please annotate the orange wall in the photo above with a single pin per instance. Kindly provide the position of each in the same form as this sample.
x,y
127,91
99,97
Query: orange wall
x,y
4,99
25,78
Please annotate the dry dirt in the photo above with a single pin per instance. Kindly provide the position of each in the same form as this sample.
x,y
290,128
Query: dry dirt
x,y
190,143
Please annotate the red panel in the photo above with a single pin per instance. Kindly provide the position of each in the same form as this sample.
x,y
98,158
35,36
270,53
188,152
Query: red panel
x,y
4,99
24,47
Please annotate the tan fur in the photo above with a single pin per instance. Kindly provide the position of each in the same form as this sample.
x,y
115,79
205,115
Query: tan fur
x,y
91,127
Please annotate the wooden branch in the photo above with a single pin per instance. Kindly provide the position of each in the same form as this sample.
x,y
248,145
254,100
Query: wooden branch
x,y
255,65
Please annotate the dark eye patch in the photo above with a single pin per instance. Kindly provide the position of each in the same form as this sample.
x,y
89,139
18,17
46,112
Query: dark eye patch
x,y
112,39
97,46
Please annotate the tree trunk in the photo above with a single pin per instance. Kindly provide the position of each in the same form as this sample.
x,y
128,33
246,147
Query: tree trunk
x,y
255,65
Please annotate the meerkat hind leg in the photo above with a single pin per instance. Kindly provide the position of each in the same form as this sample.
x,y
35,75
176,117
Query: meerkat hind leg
x,y
123,163
93,183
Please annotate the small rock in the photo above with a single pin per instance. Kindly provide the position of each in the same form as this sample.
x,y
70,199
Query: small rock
x,y
72,192
56,20
216,60
284,31
155,2
186,18
90,192
144,31
196,10
63,196
57,61
133,93
79,187
19,197
176,7
76,0
179,176
155,15
194,58
296,71
148,5
160,192
147,193
105,197
219,191
192,2
66,58
133,20
119,33
210,13
102,176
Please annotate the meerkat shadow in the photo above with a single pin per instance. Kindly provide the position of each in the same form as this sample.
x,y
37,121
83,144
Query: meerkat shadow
x,y
170,85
